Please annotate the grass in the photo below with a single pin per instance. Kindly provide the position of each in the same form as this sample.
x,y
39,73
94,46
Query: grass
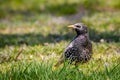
x,y
43,71
40,35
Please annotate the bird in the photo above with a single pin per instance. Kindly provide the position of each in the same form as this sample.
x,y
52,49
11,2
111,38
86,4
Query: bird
x,y
79,49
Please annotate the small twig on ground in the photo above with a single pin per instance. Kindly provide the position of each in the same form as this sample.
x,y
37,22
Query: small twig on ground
x,y
18,54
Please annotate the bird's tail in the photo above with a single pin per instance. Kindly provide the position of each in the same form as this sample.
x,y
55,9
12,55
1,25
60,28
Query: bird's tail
x,y
60,61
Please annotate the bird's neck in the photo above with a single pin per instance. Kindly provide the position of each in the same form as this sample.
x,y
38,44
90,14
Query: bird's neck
x,y
84,34
77,32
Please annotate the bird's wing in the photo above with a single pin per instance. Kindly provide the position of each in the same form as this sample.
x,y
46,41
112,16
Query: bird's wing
x,y
70,54
86,53
69,51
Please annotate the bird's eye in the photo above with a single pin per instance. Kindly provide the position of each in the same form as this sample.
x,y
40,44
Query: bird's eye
x,y
78,26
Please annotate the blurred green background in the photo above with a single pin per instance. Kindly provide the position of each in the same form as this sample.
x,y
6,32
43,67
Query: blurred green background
x,y
58,7
51,17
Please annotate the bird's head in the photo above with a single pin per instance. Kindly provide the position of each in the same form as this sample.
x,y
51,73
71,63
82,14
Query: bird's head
x,y
80,28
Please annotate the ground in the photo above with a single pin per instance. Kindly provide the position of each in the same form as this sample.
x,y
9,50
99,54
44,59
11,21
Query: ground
x,y
32,39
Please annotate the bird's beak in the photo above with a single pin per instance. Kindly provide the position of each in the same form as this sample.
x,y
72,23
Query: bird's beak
x,y
72,26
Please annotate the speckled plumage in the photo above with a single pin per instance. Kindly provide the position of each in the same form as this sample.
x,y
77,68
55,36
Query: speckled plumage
x,y
80,48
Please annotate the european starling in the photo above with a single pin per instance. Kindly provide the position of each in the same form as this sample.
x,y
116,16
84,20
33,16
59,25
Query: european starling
x,y
80,48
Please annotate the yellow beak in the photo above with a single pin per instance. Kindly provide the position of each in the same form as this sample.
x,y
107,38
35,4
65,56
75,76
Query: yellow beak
x,y
72,26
